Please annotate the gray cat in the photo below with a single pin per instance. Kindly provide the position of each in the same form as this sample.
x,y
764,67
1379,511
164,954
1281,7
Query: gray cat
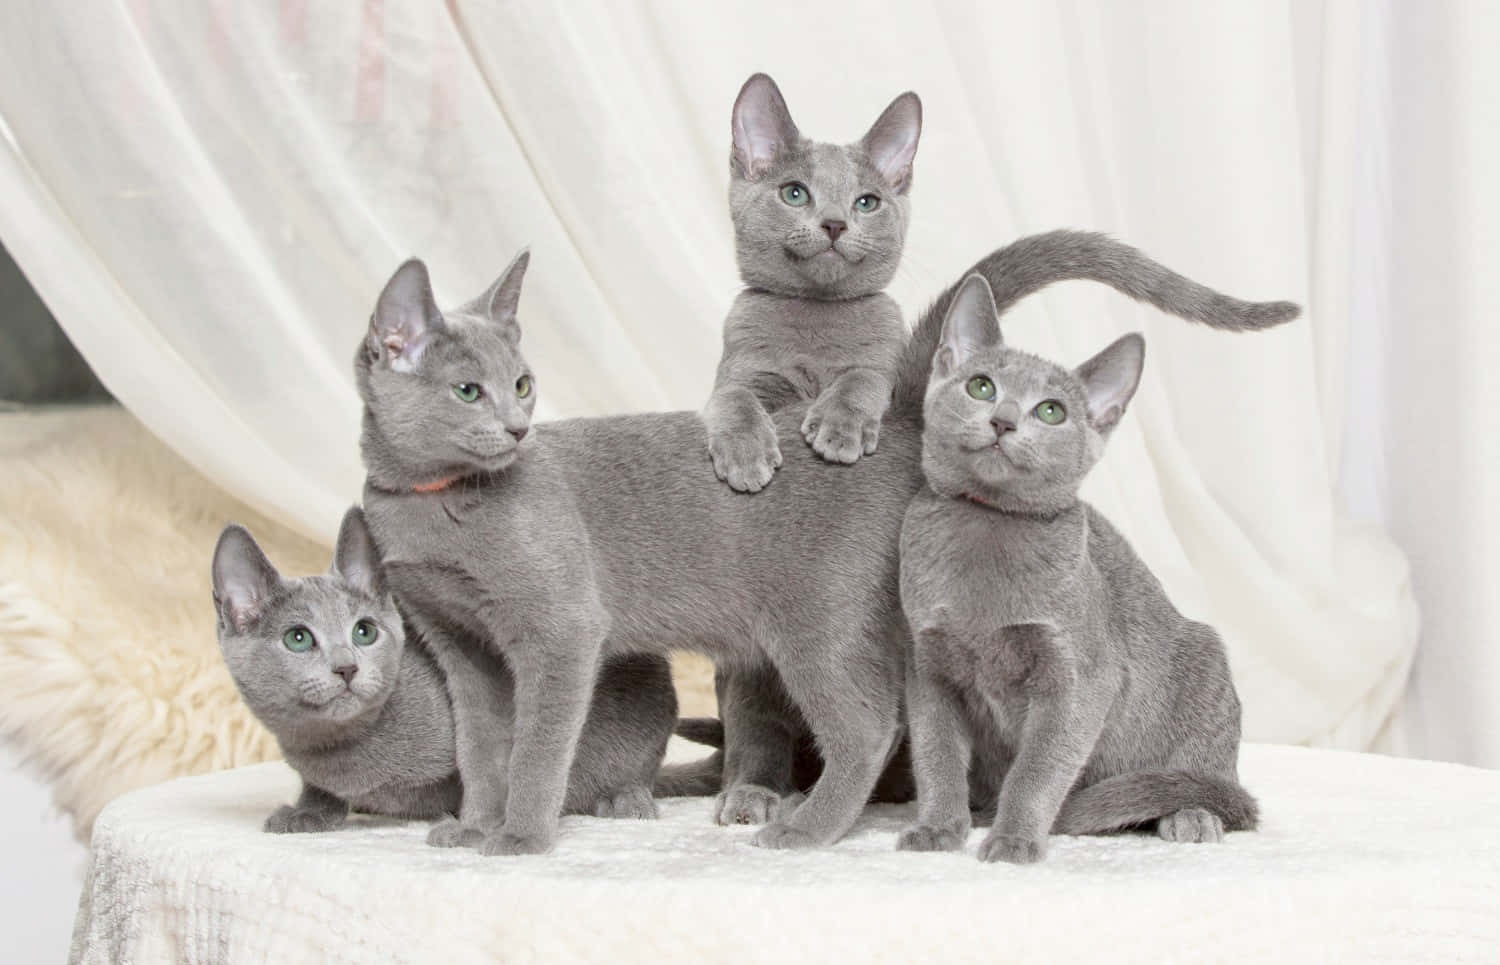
x,y
819,230
557,544
818,233
362,713
1048,666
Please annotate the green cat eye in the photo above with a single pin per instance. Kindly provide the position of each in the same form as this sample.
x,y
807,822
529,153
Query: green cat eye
x,y
1051,412
298,639
365,633
523,386
467,391
980,387
796,194
866,203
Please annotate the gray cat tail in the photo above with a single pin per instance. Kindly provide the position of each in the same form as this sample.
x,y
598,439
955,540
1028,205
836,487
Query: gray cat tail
x,y
1135,799
701,730
1034,262
698,779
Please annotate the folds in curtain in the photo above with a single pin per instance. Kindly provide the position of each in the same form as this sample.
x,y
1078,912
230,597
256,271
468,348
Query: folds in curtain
x,y
210,199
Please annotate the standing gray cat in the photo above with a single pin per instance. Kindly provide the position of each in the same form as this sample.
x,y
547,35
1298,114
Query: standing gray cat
x,y
818,232
362,713
559,543
1048,666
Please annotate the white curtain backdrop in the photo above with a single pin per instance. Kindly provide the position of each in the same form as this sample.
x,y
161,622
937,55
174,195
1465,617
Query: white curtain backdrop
x,y
209,195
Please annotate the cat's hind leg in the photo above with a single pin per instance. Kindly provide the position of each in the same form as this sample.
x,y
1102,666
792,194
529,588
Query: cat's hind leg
x,y
632,802
759,742
850,693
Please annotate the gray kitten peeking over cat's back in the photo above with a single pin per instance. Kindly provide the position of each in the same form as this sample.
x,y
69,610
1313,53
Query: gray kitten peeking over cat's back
x,y
361,711
818,235
1051,679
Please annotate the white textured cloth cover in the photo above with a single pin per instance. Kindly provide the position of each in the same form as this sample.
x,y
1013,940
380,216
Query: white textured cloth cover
x,y
1360,857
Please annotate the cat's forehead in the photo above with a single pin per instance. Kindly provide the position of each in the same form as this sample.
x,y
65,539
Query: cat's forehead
x,y
1021,372
471,346
828,168
310,599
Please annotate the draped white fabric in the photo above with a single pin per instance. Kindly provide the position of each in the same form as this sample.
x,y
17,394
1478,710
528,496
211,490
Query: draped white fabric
x,y
209,196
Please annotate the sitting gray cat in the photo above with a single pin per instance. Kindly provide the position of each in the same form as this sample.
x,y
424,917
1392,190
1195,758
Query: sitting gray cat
x,y
559,543
1048,664
818,233
362,713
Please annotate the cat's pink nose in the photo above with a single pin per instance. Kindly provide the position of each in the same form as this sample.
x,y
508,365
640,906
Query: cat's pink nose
x,y
1002,425
347,671
519,433
834,229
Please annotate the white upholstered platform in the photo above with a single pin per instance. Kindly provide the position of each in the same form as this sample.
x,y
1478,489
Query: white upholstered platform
x,y
1360,857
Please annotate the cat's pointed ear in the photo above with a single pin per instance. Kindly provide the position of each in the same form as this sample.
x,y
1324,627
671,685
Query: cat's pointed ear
x,y
1111,378
971,325
499,302
892,141
761,126
355,559
243,578
406,316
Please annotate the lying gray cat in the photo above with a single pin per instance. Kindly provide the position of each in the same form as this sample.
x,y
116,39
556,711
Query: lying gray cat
x,y
362,713
818,233
587,537
1049,667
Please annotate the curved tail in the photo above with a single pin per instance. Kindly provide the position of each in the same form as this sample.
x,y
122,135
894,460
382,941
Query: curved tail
x,y
697,779
701,730
1036,261
1133,799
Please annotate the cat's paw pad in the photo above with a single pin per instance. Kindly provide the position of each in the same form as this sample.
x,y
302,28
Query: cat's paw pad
x,y
1013,848
450,832
1191,826
840,434
632,803
289,820
746,460
746,804
509,843
783,837
922,837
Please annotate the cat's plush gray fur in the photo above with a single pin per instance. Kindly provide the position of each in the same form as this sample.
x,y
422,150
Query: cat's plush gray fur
x,y
813,322
590,536
1047,659
381,741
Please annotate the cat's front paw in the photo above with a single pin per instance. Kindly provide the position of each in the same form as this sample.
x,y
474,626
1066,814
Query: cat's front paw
x,y
290,820
746,460
1013,848
839,433
628,802
746,804
783,837
924,837
450,832
511,843
1191,826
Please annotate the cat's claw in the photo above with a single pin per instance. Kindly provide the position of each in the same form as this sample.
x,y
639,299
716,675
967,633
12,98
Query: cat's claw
x,y
746,460
450,832
510,843
1013,848
783,837
922,837
840,434
629,802
1191,826
747,804
290,820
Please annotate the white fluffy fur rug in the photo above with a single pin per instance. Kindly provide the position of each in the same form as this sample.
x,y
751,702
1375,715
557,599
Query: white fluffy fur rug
x,y
110,677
